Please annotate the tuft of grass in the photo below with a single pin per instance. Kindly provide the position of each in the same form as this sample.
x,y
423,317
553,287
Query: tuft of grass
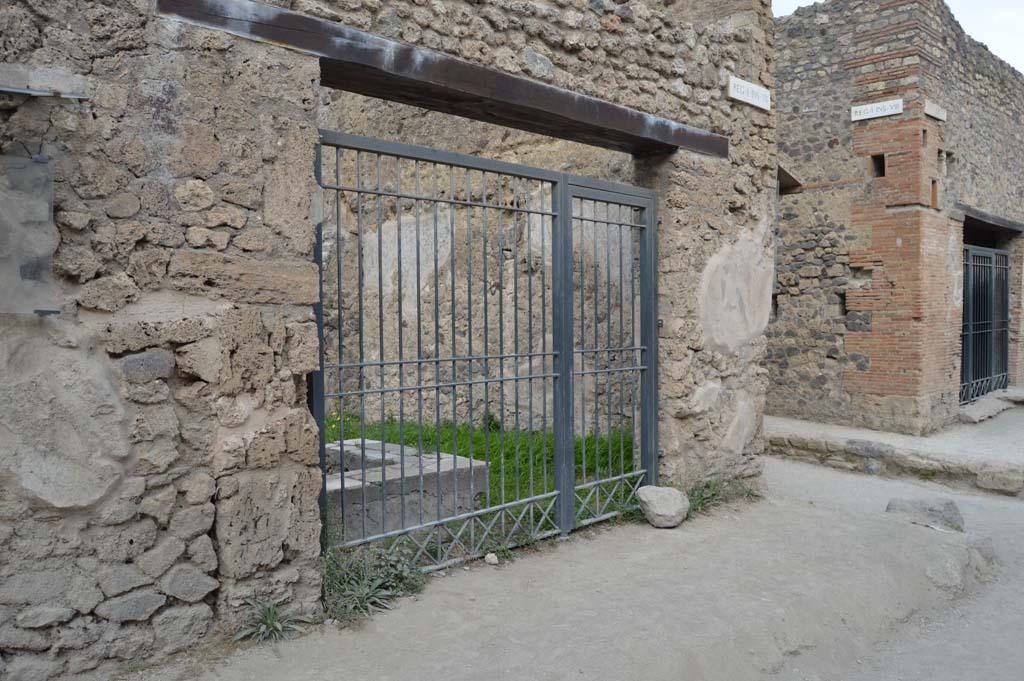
x,y
359,582
707,495
267,622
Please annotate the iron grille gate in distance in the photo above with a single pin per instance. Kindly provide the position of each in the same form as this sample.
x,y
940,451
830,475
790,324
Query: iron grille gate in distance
x,y
488,349
985,338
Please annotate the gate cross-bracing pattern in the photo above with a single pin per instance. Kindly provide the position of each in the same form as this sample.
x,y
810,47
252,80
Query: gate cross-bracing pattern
x,y
488,350
985,338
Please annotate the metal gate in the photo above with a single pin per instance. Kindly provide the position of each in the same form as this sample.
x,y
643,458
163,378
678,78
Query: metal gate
x,y
488,349
985,336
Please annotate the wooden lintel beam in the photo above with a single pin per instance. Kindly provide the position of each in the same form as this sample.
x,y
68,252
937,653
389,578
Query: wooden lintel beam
x,y
361,62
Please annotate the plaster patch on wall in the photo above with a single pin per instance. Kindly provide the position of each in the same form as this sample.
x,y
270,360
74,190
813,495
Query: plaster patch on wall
x,y
735,292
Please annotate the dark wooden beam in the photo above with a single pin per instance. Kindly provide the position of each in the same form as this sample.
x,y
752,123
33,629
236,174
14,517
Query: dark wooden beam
x,y
972,213
361,62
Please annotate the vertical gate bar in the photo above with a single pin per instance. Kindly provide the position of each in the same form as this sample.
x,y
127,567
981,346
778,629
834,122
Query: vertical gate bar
x,y
518,203
607,326
633,343
622,356
544,220
469,336
529,343
315,382
562,330
572,221
419,339
362,350
487,351
596,356
338,195
501,339
401,342
649,340
454,381
437,351
380,339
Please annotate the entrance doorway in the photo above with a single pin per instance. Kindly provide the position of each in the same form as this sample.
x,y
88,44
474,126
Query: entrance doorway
x,y
985,335
492,377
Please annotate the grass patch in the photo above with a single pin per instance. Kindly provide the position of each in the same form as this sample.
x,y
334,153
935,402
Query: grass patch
x,y
358,582
267,622
707,495
528,456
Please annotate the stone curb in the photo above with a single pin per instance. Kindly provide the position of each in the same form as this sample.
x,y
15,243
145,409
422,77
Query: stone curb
x,y
879,458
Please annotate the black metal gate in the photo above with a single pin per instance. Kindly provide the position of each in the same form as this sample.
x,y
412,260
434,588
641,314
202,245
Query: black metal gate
x,y
488,349
985,337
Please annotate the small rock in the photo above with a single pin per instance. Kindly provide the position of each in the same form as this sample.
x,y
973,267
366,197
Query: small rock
x,y
147,366
491,559
933,512
123,206
132,607
192,521
157,560
663,506
43,616
1005,481
183,626
187,583
873,466
117,579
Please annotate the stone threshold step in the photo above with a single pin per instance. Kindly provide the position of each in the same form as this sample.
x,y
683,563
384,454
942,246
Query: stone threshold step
x,y
881,453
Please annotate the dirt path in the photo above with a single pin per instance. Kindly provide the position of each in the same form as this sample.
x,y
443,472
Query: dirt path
x,y
740,594
978,638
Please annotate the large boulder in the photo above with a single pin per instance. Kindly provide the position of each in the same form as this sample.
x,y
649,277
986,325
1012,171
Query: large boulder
x,y
663,506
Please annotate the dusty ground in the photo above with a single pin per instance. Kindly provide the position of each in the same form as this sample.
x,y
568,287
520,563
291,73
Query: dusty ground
x,y
801,585
975,639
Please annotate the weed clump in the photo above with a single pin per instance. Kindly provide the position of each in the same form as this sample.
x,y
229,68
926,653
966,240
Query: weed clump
x,y
360,582
267,622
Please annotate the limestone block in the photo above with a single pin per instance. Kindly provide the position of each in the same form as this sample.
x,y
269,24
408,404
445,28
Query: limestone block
x,y
181,627
154,422
108,293
124,503
198,487
146,393
148,267
303,348
117,579
123,205
1008,481
226,216
147,366
155,457
199,237
202,553
234,411
13,638
76,261
201,359
245,279
161,557
124,542
194,195
132,607
270,513
190,521
164,234
32,668
255,240
287,194
158,504
187,583
43,616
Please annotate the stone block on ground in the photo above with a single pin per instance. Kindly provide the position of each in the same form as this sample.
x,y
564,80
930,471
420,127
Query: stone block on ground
x,y
663,506
934,512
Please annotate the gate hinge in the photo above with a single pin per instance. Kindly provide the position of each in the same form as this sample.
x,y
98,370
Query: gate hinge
x,y
661,323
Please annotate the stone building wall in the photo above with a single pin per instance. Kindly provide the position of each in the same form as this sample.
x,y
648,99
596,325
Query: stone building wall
x,y
869,287
158,464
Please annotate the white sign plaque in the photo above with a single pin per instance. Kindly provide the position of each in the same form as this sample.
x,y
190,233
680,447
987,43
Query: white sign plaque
x,y
750,93
864,112
935,110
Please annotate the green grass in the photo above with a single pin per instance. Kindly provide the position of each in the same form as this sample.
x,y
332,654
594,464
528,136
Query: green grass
x,y
707,495
520,450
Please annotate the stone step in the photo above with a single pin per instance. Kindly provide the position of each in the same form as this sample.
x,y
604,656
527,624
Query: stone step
x,y
880,453
429,487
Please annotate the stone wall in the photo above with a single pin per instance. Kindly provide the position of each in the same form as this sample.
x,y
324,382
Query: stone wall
x,y
869,286
157,457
